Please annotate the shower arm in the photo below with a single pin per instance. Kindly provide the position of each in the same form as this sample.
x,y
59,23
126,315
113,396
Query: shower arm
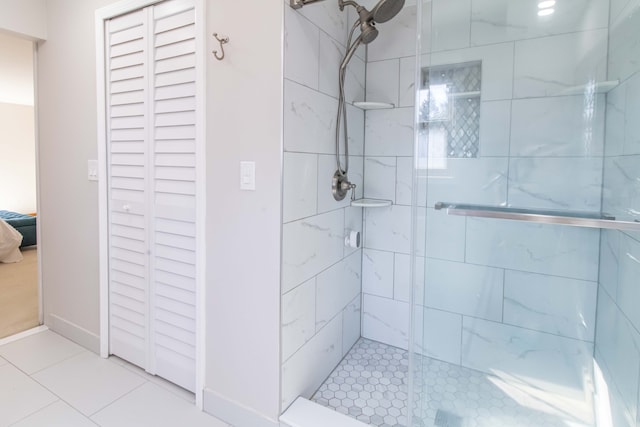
x,y
343,3
297,4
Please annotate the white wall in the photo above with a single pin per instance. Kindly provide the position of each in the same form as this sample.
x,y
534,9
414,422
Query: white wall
x,y
17,158
24,17
16,70
69,202
17,143
243,228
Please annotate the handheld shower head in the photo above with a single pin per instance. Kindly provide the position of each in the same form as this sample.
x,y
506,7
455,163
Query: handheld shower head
x,y
368,32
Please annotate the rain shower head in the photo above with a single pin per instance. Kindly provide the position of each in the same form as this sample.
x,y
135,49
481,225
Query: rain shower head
x,y
386,10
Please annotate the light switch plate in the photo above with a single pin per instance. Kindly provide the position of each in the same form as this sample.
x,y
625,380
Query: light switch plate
x,y
93,170
248,176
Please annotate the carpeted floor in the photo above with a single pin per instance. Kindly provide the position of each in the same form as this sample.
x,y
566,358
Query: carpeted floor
x,y
19,294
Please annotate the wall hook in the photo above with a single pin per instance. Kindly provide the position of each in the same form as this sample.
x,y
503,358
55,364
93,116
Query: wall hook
x,y
222,42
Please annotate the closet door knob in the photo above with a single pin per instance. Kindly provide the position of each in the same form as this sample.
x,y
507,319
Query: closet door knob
x,y
127,208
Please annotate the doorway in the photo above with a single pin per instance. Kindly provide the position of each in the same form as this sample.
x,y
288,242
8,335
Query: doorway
x,y
19,278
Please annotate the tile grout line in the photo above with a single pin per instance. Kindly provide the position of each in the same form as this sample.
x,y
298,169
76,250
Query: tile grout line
x,y
35,412
118,398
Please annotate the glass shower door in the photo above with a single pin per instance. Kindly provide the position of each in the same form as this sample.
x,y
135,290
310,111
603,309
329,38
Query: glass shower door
x,y
526,201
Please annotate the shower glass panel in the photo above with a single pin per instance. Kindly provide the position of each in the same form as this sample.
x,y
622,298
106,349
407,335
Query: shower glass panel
x,y
527,111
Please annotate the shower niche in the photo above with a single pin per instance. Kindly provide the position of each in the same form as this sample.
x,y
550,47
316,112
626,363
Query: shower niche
x,y
450,109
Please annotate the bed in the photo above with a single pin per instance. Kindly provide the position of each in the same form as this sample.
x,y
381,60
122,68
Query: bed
x,y
24,224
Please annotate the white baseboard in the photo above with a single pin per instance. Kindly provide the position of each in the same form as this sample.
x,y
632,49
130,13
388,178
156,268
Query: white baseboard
x,y
75,333
24,334
233,413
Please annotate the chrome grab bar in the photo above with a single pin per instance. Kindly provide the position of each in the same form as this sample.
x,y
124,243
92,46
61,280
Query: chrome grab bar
x,y
570,218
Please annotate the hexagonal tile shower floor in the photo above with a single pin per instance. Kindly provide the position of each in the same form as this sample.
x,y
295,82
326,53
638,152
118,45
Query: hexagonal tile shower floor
x,y
370,384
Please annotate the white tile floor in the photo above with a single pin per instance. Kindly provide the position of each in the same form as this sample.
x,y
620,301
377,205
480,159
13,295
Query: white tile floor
x,y
48,381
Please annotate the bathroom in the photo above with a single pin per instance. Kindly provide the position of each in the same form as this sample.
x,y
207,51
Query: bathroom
x,y
484,269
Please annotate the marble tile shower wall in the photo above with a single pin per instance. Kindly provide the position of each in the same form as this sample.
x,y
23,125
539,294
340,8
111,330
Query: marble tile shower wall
x,y
617,346
499,294
321,278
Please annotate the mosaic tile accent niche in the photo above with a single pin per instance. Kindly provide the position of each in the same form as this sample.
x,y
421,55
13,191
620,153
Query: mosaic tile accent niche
x,y
450,108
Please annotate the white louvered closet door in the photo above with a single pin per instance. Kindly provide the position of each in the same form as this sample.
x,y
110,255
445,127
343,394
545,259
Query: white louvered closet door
x,y
152,183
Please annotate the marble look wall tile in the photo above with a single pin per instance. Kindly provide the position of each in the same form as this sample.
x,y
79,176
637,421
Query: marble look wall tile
x,y
528,355
402,288
556,305
385,320
446,236
355,117
471,290
496,21
331,53
329,18
451,24
558,126
629,278
301,44
420,236
615,121
404,181
621,187
624,37
355,80
402,277
310,246
537,248
337,286
548,66
326,169
609,260
380,178
377,273
353,221
397,37
389,132
632,111
618,345
305,371
407,78
388,229
618,414
309,120
439,334
351,319
569,183
616,8
495,128
497,67
298,317
300,186
478,181
382,81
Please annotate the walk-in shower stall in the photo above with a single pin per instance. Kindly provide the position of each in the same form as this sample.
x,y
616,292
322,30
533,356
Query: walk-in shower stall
x,y
495,150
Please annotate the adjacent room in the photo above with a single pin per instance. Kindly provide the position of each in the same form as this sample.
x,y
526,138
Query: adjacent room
x,y
18,249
